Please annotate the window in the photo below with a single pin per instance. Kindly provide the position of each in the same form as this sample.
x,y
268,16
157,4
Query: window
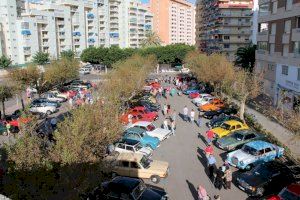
x,y
285,70
287,26
238,126
263,9
129,148
250,136
124,164
274,7
298,22
226,37
226,46
122,146
285,52
289,4
267,150
134,165
262,46
263,27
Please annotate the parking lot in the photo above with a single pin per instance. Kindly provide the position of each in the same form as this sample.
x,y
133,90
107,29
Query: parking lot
x,y
184,152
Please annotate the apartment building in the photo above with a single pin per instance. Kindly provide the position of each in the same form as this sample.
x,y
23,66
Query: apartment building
x,y
278,54
54,26
174,21
223,25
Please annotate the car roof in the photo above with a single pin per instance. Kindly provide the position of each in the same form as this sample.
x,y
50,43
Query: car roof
x,y
130,156
294,188
135,130
232,122
129,141
259,144
245,131
142,123
126,184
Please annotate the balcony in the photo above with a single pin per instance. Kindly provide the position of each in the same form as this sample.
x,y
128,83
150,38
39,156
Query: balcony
x,y
60,22
27,52
45,44
296,34
286,38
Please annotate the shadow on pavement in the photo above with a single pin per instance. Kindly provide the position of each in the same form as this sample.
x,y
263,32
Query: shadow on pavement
x,y
202,138
193,190
223,155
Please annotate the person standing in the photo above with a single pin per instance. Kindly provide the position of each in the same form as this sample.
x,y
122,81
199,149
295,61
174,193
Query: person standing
x,y
199,119
165,125
192,116
211,164
228,178
8,127
209,150
202,194
130,116
173,117
168,108
165,109
209,136
219,178
173,127
185,113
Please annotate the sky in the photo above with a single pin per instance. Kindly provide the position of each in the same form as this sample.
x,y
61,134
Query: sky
x,y
192,1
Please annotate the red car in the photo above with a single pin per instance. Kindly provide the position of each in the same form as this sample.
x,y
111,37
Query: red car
x,y
155,85
144,112
194,95
135,118
290,192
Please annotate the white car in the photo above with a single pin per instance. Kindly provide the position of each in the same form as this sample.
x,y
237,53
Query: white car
x,y
151,130
84,71
52,97
59,94
200,98
132,146
43,108
204,101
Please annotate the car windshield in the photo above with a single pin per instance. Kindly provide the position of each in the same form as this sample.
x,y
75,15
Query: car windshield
x,y
138,191
249,150
145,162
138,147
287,195
206,99
238,136
150,127
142,134
225,126
263,171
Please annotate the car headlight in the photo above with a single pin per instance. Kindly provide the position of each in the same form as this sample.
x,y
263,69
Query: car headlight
x,y
242,163
252,188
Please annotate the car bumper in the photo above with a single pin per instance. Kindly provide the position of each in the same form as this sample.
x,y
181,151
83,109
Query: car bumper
x,y
246,190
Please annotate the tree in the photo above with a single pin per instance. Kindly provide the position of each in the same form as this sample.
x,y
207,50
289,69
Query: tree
x,y
5,62
41,58
69,54
151,40
6,92
245,57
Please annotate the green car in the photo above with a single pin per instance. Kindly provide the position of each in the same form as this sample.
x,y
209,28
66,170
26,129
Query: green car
x,y
237,139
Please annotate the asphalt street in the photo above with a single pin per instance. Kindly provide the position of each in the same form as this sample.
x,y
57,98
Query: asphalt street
x,y
184,152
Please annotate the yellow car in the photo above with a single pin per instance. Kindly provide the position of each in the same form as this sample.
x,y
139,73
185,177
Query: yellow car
x,y
228,127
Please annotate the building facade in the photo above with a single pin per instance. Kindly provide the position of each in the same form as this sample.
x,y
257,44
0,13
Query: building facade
x,y
173,21
278,54
59,25
223,25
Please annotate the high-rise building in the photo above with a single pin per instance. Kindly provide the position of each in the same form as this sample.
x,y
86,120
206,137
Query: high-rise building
x,y
53,26
278,53
173,21
223,25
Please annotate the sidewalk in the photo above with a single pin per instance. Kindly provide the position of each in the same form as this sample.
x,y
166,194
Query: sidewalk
x,y
282,134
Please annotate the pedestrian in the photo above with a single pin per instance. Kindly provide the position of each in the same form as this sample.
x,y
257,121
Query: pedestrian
x,y
165,109
209,136
209,150
217,197
185,113
168,108
219,178
228,178
192,116
8,127
211,164
199,119
202,194
165,124
173,127
173,117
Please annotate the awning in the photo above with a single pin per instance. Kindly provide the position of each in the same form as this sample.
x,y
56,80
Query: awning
x,y
26,32
90,16
114,35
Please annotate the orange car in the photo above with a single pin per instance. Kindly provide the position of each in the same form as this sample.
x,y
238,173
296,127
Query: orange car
x,y
135,118
214,105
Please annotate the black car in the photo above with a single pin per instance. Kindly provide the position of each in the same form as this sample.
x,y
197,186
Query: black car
x,y
46,101
226,111
266,178
127,188
146,103
222,118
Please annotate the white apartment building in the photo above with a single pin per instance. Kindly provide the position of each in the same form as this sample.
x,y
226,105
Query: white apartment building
x,y
53,26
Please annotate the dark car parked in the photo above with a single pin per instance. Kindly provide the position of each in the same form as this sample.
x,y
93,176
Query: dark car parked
x,y
146,103
127,188
226,111
218,121
46,101
266,178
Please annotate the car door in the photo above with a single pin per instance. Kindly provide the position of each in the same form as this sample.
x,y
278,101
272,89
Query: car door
x,y
123,168
269,154
135,169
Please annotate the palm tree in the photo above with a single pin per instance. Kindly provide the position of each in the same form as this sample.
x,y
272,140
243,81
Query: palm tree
x,y
152,39
4,62
245,57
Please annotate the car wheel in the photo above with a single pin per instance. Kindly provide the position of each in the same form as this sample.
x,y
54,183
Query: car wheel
x,y
155,179
260,191
48,112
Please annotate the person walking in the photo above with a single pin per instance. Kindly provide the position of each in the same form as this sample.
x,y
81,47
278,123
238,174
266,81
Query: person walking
x,y
228,178
173,127
168,108
202,194
209,150
209,136
165,124
211,164
192,116
165,109
199,119
185,113
219,178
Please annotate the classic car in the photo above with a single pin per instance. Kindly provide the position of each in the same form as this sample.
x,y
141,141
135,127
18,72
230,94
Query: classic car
x,y
214,105
238,138
290,192
151,130
216,113
139,134
194,95
52,97
216,122
203,101
127,188
228,127
132,146
190,90
253,153
147,97
200,98
147,104
42,109
155,85
135,118
46,102
145,112
265,179
139,166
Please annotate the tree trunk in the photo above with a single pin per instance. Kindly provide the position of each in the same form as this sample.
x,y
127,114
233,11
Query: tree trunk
x,y
3,108
22,103
242,108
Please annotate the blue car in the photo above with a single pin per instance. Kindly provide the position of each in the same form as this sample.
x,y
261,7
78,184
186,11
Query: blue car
x,y
140,135
253,153
191,90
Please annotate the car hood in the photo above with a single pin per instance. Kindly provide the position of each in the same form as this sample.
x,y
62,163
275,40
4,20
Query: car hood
x,y
251,179
148,138
220,131
241,155
210,113
159,166
152,194
226,141
160,131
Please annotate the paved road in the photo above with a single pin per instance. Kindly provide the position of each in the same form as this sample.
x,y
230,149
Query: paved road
x,y
187,164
